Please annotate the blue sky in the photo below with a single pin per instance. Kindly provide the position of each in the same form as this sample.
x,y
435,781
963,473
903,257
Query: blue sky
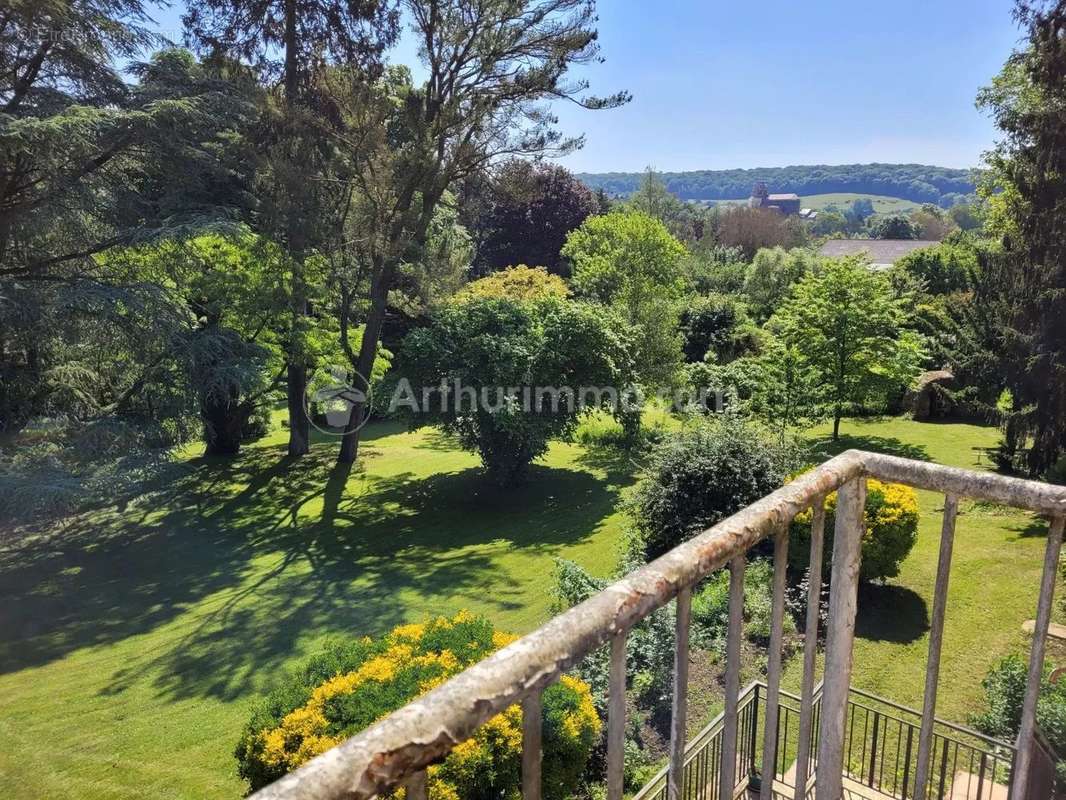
x,y
719,84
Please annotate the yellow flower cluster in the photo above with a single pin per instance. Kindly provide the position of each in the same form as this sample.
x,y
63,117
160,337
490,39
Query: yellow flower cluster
x,y
900,506
409,654
304,733
584,719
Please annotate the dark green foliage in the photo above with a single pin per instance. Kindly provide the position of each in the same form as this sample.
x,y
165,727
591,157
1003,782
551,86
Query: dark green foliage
x,y
700,476
1004,695
717,328
489,345
942,269
522,213
1026,197
649,645
910,181
896,226
715,269
710,605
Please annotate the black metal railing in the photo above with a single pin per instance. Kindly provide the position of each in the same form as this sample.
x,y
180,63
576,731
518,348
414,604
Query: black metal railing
x,y
703,756
881,751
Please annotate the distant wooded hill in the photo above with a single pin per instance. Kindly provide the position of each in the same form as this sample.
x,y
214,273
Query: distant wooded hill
x,y
918,182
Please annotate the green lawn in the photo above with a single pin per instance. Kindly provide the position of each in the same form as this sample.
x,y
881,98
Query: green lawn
x,y
133,642
996,565
132,645
883,204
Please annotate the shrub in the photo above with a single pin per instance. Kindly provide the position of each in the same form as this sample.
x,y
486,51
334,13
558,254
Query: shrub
x,y
700,476
1004,694
710,605
772,274
649,644
891,528
516,283
353,684
943,268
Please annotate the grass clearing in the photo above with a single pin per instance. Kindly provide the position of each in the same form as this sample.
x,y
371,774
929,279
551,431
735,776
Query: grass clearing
x,y
133,642
995,578
132,645
883,204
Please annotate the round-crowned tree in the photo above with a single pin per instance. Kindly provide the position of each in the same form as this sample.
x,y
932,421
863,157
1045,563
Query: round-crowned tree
x,y
698,477
506,376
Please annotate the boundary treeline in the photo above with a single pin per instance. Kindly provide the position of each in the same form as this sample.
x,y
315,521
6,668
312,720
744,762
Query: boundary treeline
x,y
918,182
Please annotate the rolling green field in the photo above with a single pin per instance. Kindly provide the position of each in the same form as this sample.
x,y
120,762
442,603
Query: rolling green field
x,y
133,641
882,203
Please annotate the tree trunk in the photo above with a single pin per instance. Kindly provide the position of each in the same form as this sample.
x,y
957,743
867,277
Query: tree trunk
x,y
836,424
299,421
223,421
379,301
368,351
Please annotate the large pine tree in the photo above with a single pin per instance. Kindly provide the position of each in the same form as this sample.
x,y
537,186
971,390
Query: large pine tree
x,y
1028,101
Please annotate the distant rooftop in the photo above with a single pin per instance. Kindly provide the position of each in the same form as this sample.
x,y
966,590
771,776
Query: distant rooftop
x,y
883,253
788,196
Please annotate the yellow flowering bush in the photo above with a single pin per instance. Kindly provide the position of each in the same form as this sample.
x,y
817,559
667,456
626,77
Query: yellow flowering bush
x,y
353,684
891,528
519,282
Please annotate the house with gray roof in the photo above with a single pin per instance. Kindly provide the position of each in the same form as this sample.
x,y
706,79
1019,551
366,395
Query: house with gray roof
x,y
883,253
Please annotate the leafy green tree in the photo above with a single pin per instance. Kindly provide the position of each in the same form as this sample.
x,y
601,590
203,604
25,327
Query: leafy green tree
x,y
942,269
290,43
630,262
717,328
92,162
968,216
683,220
784,387
829,222
772,274
895,226
933,223
850,331
507,358
231,295
860,210
489,67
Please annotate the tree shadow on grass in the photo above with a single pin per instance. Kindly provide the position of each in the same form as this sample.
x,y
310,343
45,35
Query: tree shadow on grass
x,y
890,613
1033,528
265,552
825,447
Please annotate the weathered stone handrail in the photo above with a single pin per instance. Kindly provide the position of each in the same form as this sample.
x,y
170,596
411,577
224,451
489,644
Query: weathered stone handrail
x,y
397,749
